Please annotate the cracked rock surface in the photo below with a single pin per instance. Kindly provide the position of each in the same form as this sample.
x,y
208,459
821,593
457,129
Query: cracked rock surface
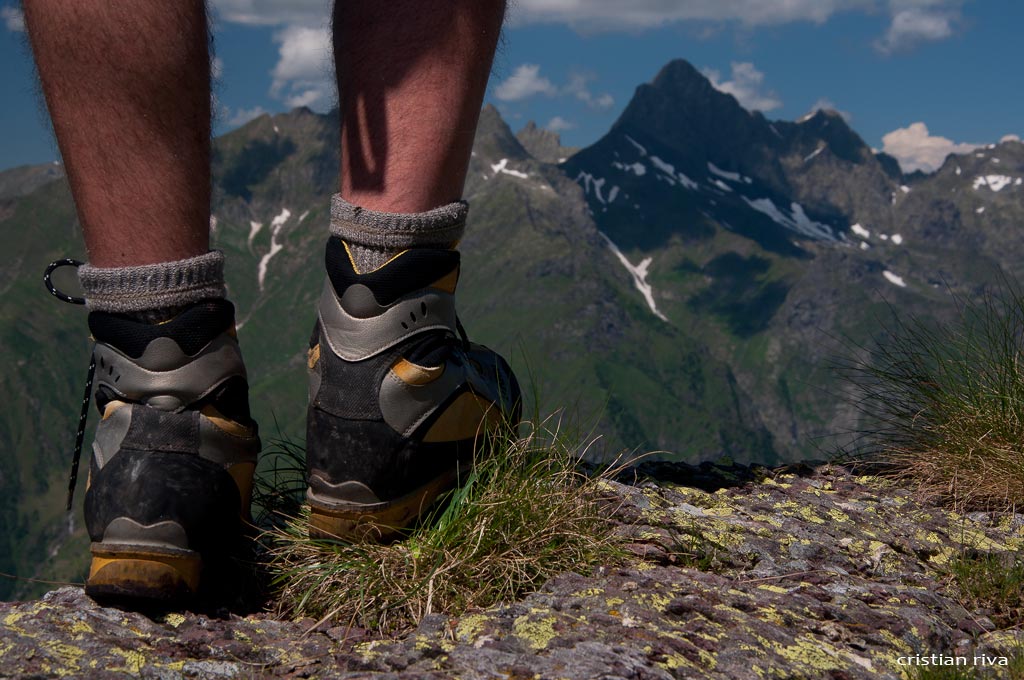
x,y
807,572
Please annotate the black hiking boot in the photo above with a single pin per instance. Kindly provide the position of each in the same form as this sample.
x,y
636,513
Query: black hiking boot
x,y
399,400
171,472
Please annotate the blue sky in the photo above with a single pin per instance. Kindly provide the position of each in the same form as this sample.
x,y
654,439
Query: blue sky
x,y
919,78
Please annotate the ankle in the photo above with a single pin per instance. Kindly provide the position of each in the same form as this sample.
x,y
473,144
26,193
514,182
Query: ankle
x,y
153,293
373,237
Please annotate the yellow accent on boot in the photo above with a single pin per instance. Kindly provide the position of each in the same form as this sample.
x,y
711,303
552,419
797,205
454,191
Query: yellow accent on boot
x,y
142,573
465,418
243,473
414,374
112,406
313,357
375,522
225,423
447,282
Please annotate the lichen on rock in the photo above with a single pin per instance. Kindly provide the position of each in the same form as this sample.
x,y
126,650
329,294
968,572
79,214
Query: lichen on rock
x,y
808,573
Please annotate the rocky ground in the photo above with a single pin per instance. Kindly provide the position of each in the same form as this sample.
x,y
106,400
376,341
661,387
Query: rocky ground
x,y
810,572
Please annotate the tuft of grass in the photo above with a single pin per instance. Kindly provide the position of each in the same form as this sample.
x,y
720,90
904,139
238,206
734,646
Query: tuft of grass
x,y
944,404
279,488
524,513
993,582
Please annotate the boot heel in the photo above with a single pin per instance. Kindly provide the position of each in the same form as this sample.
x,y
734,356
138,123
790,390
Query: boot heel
x,y
141,573
375,522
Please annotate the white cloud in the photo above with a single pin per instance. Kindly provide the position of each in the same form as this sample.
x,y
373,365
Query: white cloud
x,y
274,12
14,18
911,21
1009,138
916,149
303,75
826,104
242,116
746,86
559,124
577,87
524,83
917,21
611,15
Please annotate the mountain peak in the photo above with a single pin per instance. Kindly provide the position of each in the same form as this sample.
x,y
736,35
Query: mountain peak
x,y
680,72
544,145
682,109
494,138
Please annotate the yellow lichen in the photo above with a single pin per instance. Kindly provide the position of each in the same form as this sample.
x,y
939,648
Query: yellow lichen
x,y
470,626
838,515
537,632
80,628
588,592
68,655
810,653
133,660
772,588
174,619
676,660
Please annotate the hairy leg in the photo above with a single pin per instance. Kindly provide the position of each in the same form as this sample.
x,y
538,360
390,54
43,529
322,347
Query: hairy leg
x,y
127,85
411,79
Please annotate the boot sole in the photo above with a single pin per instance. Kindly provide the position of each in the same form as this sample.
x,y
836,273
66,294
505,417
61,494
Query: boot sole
x,y
337,520
143,574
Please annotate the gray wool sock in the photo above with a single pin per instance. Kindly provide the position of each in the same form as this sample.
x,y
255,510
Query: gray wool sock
x,y
153,292
375,237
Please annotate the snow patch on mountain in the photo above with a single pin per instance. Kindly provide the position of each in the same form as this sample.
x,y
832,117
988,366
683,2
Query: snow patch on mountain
x,y
639,274
860,231
670,175
500,166
254,228
638,145
980,210
275,247
591,181
897,239
821,147
637,168
666,168
995,182
612,193
720,184
725,174
303,216
798,222
894,279
280,219
686,181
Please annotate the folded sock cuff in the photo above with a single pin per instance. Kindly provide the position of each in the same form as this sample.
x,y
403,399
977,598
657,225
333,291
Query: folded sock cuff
x,y
437,228
153,286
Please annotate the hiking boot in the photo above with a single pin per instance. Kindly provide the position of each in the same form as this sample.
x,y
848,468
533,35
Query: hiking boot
x,y
170,478
399,400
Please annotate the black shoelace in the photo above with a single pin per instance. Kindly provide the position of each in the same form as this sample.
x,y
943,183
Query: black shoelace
x,y
84,415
